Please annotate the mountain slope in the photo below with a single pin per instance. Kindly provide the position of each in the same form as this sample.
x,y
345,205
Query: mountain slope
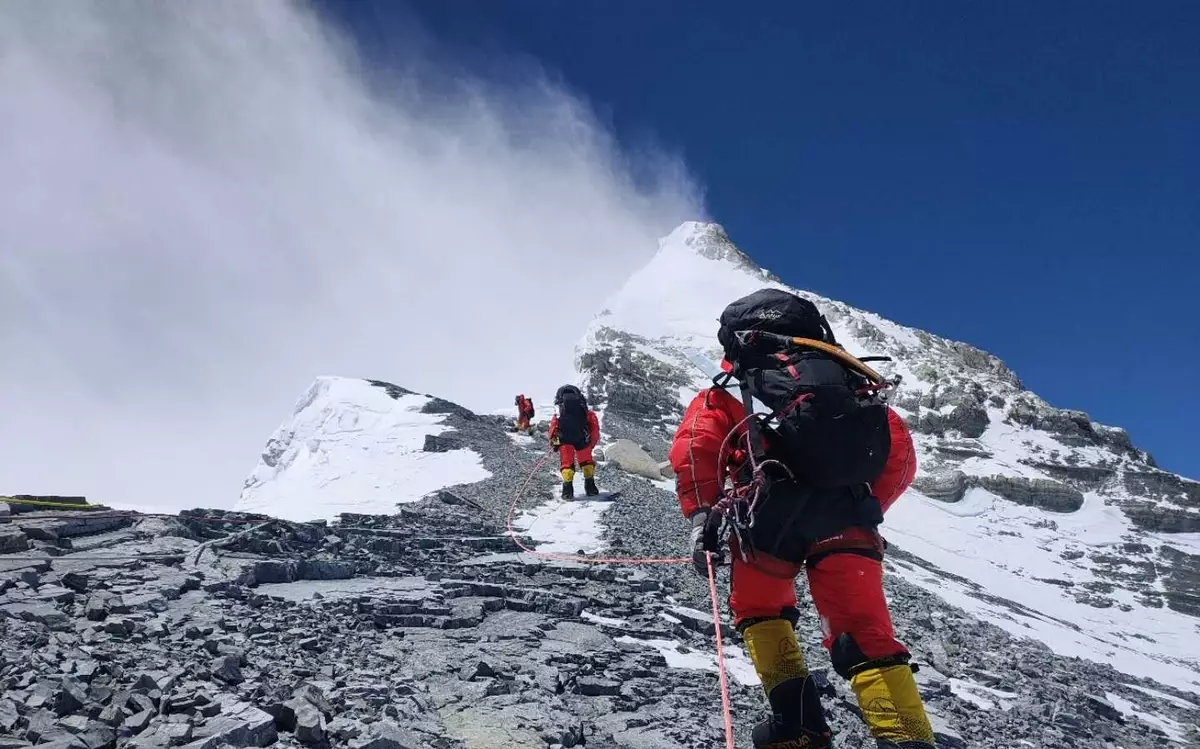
x,y
1033,518
357,446
1031,537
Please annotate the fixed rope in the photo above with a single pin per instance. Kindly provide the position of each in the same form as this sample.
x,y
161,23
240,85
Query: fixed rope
x,y
726,710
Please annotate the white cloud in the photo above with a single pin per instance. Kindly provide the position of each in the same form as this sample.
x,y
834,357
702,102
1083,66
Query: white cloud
x,y
203,207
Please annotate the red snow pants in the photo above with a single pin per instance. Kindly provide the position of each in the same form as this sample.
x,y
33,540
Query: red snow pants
x,y
568,455
846,587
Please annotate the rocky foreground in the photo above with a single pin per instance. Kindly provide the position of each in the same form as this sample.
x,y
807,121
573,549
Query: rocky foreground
x,y
422,629
428,629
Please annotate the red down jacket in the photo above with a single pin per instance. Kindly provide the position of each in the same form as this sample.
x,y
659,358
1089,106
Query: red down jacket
x,y
715,412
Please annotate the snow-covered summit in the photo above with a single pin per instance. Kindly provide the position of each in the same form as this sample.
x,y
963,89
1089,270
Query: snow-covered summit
x,y
1052,526
710,241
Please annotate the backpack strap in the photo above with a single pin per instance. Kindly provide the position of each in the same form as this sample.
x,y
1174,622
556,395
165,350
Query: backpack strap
x,y
828,331
723,381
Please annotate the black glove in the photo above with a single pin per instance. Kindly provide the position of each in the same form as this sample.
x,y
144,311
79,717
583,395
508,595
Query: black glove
x,y
704,540
555,443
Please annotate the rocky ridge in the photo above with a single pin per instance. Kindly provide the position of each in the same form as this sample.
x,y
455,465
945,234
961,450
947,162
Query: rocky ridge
x,y
420,629
427,628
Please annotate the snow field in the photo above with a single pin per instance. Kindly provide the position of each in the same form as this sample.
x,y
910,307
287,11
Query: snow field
x,y
350,447
564,527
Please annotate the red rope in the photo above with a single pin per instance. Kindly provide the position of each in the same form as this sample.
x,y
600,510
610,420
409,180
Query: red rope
x,y
727,712
725,709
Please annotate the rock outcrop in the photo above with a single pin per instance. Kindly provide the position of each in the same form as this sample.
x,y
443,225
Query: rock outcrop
x,y
1043,493
631,458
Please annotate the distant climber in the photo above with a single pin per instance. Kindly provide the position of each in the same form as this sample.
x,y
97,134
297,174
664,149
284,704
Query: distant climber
x,y
816,475
574,431
524,413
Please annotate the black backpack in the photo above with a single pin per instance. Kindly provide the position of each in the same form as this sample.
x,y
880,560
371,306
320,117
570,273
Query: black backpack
x,y
828,421
572,417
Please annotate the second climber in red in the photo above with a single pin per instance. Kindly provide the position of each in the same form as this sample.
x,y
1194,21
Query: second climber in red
x,y
524,412
574,432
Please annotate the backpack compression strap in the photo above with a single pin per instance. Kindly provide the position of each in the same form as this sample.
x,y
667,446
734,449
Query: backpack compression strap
x,y
745,337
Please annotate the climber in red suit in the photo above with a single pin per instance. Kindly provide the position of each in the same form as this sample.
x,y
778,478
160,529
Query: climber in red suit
x,y
574,433
834,539
524,413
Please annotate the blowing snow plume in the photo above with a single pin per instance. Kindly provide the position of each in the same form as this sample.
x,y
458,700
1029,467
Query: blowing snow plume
x,y
204,206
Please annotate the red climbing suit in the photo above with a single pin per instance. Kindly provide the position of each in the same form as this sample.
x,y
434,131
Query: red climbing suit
x,y
846,587
524,411
569,455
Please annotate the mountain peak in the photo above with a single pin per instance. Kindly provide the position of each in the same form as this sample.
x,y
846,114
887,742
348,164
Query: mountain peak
x,y
710,240
1001,475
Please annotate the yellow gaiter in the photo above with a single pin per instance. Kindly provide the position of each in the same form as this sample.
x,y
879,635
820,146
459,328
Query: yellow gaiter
x,y
891,704
775,652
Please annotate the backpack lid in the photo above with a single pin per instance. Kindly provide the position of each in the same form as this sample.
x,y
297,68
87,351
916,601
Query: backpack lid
x,y
771,311
568,392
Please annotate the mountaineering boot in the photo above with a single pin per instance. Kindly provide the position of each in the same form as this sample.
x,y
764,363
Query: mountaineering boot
x,y
590,488
771,734
797,720
568,477
892,708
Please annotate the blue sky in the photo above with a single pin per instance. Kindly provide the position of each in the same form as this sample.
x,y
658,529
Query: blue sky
x,y
1022,176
